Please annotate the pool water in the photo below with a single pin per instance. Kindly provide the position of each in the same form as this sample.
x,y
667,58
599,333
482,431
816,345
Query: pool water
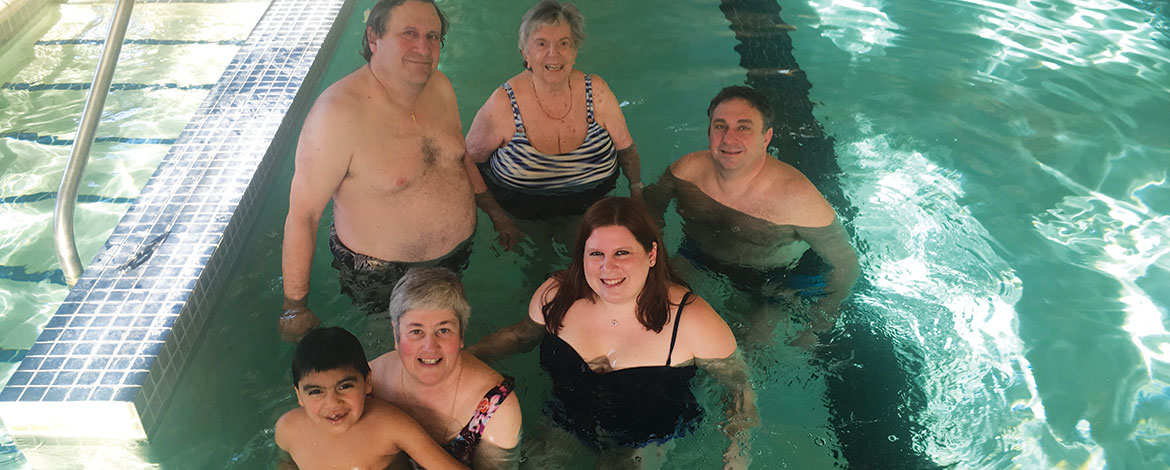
x,y
1002,167
173,54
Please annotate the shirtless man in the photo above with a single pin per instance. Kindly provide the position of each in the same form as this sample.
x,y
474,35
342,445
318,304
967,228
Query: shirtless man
x,y
385,144
752,217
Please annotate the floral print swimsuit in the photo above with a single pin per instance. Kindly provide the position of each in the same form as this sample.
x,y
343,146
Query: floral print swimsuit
x,y
462,447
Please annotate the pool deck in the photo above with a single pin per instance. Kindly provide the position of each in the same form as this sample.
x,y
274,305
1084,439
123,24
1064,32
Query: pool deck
x,y
106,364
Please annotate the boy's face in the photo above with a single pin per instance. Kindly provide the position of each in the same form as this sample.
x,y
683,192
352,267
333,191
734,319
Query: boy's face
x,y
334,399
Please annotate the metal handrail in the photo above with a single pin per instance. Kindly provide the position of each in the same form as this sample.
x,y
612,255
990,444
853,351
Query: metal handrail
x,y
63,238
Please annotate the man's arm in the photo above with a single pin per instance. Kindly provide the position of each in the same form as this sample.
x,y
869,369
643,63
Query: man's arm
x,y
514,339
739,405
320,168
658,196
520,337
717,353
831,243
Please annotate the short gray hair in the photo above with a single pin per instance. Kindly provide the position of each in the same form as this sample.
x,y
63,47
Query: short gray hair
x,y
549,12
435,288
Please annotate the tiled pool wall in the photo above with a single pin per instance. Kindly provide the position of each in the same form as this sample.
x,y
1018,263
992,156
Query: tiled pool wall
x,y
107,362
16,14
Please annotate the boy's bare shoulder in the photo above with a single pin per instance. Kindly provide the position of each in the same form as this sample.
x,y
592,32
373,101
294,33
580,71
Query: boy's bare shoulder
x,y
289,426
381,410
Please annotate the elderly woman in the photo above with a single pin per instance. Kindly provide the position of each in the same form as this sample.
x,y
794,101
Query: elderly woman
x,y
460,401
621,337
550,139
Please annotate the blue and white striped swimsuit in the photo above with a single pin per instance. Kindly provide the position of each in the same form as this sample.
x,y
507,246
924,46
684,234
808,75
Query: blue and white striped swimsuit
x,y
518,165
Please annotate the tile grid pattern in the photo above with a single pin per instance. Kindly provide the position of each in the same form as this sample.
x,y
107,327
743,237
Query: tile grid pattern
x,y
128,327
14,15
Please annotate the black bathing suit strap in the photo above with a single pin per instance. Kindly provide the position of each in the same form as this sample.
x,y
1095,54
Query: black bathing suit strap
x,y
677,318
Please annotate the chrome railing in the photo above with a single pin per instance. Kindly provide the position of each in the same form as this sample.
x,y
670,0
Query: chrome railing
x,y
63,237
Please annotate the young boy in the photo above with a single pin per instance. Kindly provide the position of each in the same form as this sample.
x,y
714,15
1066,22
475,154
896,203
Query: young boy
x,y
338,425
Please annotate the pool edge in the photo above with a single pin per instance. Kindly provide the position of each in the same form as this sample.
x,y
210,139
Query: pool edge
x,y
125,332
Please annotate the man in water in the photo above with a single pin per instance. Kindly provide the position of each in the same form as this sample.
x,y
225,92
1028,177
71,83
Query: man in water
x,y
385,144
751,217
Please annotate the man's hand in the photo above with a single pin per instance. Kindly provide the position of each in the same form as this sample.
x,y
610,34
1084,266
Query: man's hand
x,y
507,233
735,459
296,320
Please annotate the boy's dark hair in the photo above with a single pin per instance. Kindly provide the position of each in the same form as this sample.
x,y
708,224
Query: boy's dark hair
x,y
749,94
326,349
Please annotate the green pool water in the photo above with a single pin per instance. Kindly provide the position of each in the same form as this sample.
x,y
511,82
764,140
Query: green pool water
x,y
1002,168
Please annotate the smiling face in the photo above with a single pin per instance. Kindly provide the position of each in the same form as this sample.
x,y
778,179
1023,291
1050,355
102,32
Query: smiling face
x,y
428,342
616,264
334,399
737,134
550,52
409,49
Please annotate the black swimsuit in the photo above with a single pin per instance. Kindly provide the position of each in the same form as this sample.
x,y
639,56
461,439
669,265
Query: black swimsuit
x,y
629,407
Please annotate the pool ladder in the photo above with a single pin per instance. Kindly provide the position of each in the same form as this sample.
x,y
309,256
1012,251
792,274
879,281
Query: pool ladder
x,y
63,236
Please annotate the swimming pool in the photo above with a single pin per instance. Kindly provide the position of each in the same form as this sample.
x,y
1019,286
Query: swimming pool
x,y
1002,168
174,52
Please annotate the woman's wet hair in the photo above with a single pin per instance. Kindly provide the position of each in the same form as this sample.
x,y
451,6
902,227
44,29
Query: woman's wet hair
x,y
431,288
754,98
653,301
549,12
325,349
380,16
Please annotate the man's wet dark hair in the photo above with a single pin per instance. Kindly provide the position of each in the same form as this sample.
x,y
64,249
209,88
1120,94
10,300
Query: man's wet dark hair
x,y
325,349
749,94
380,16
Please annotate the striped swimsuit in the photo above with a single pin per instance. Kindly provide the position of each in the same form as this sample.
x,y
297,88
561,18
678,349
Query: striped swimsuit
x,y
533,185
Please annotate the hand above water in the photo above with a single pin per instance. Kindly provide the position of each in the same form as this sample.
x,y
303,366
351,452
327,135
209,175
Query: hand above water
x,y
507,233
296,320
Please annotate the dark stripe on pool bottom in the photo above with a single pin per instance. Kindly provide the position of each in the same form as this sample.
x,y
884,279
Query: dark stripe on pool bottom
x,y
12,355
113,87
54,140
18,274
44,196
143,42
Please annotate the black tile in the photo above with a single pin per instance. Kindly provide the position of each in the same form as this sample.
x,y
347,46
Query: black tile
x,y
126,393
112,378
55,394
79,393
11,393
20,378
65,378
135,378
88,378
62,349
33,393
102,394
53,363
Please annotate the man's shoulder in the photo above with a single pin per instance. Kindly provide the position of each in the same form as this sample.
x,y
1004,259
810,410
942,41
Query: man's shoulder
x,y
692,166
780,178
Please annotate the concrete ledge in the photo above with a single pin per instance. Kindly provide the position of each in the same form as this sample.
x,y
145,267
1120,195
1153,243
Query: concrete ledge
x,y
116,346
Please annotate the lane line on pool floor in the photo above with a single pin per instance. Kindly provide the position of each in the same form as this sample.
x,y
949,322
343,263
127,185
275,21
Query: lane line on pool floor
x,y
54,140
141,42
47,195
26,86
20,274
